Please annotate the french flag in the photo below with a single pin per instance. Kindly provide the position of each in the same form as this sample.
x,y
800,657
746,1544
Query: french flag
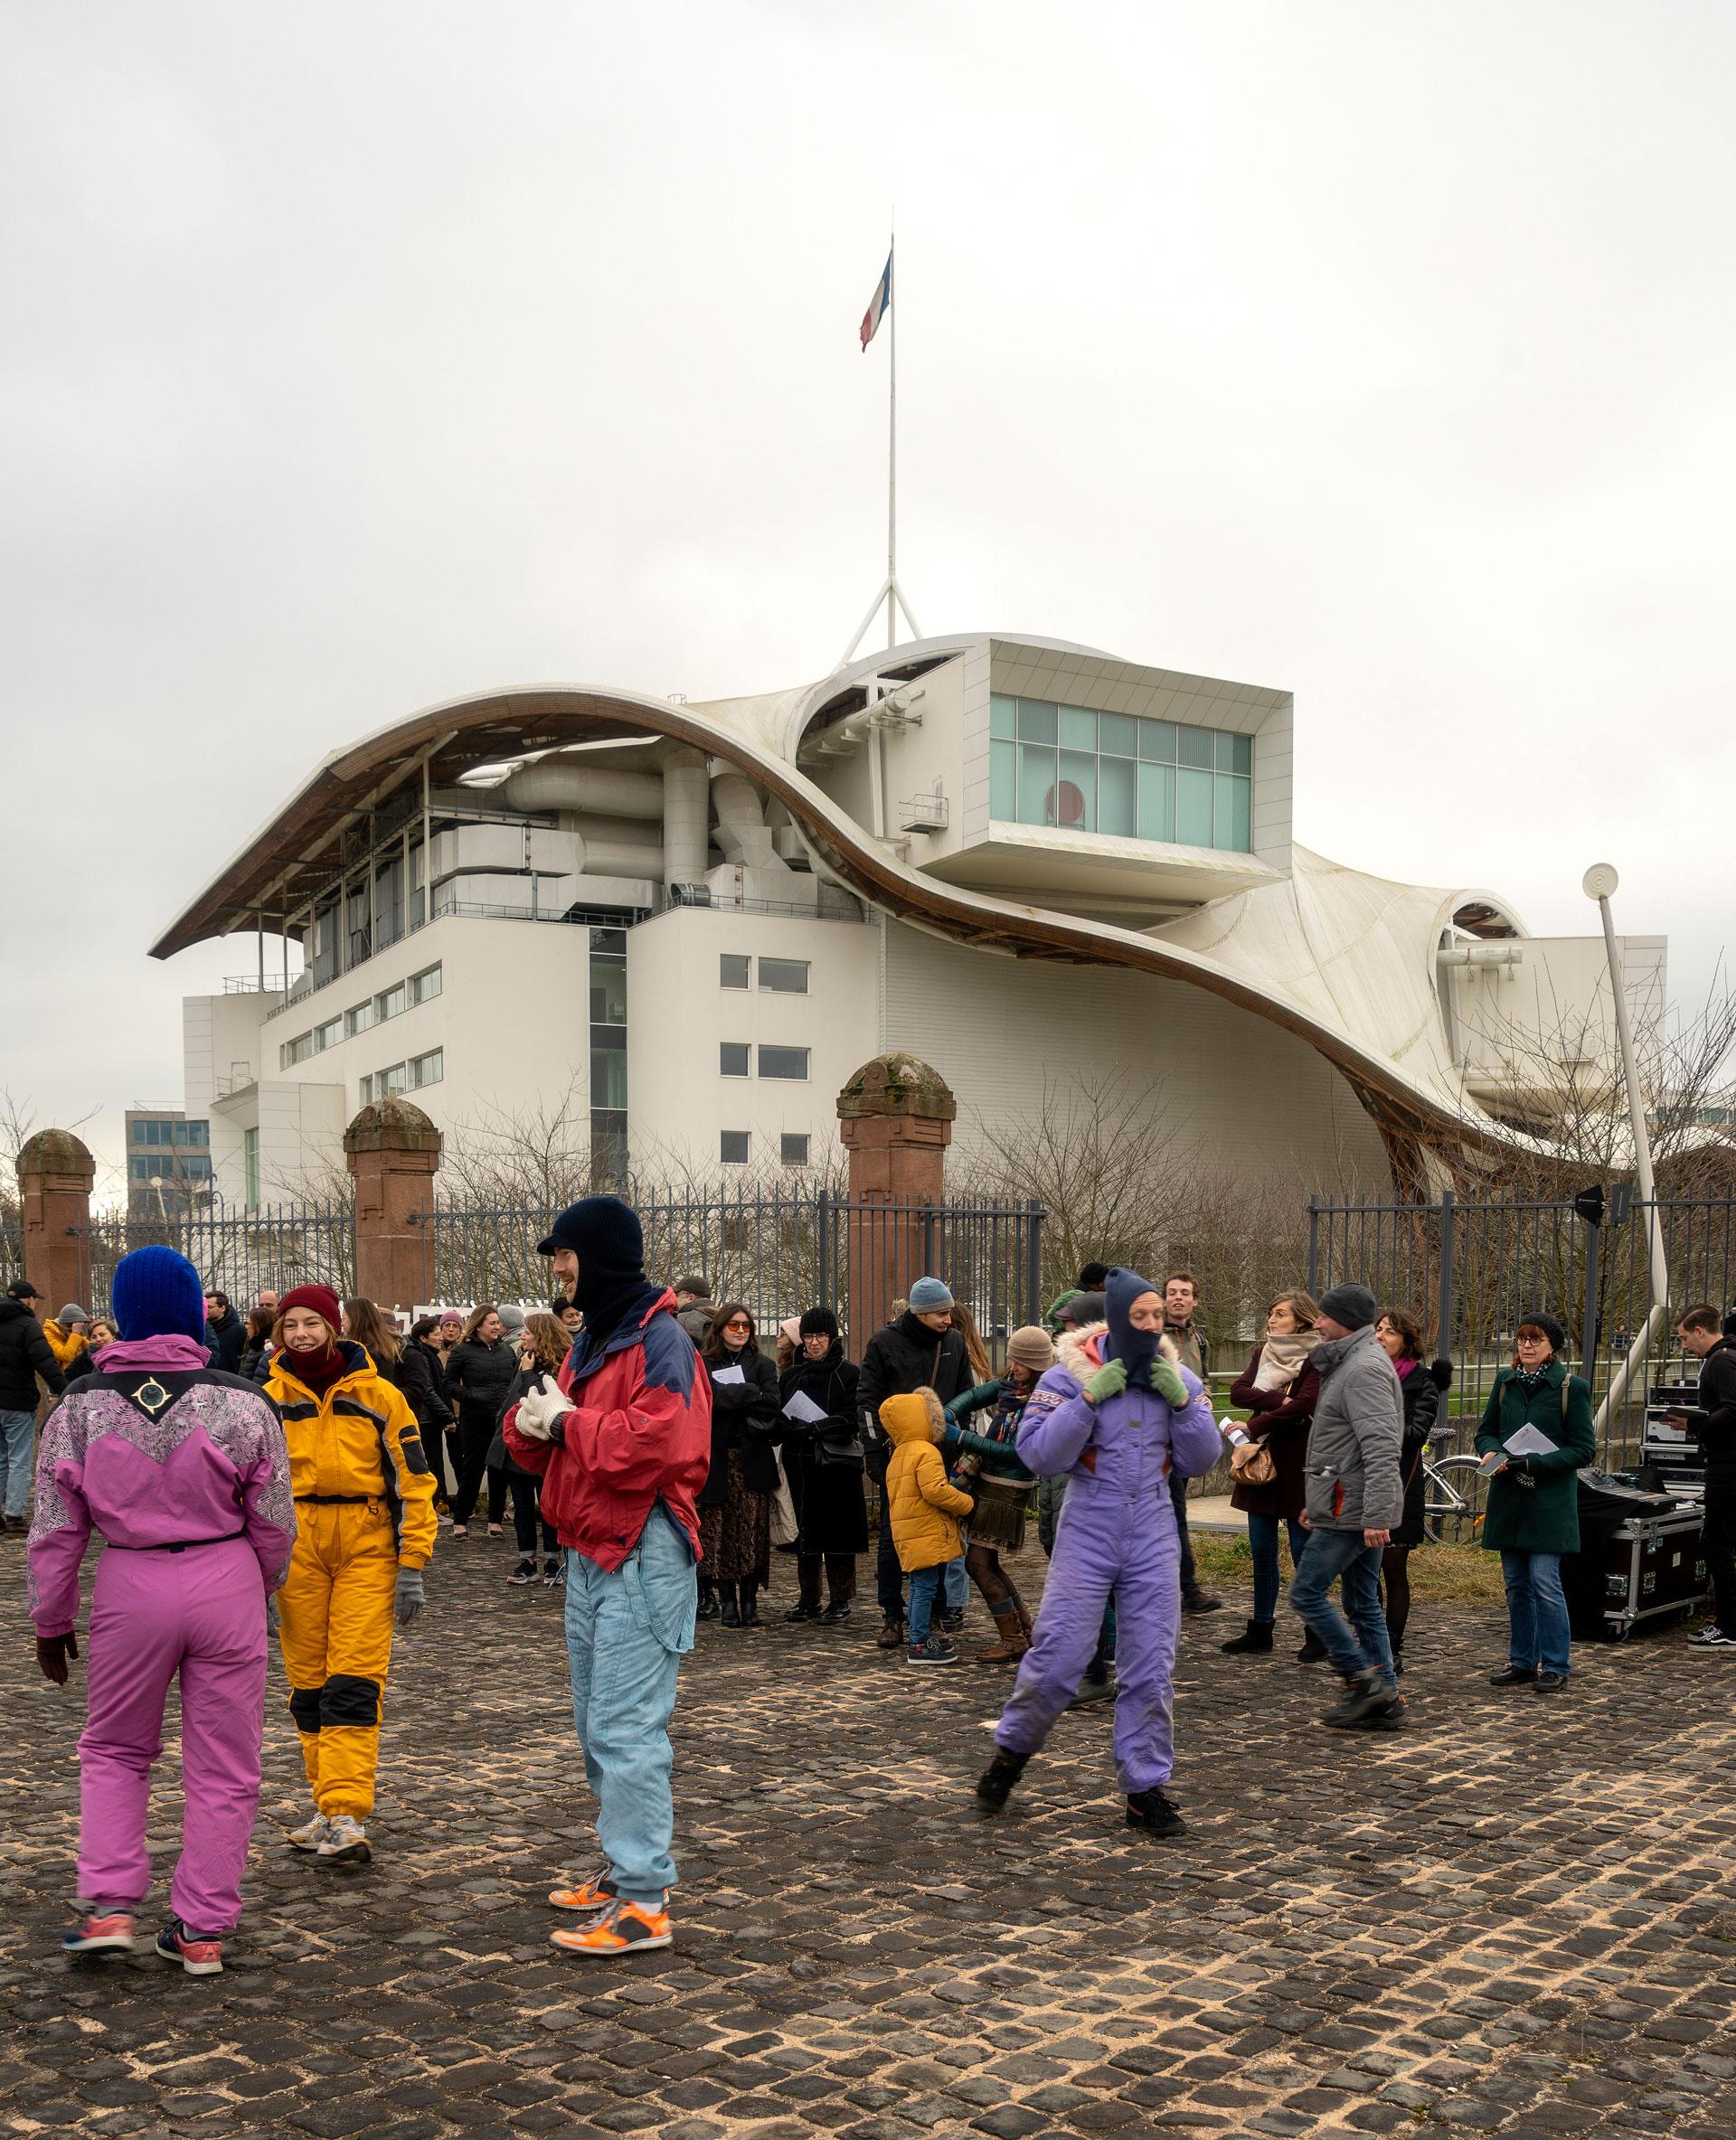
x,y
878,306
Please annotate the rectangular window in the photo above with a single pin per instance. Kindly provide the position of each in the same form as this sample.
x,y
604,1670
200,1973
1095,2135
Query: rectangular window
x,y
1232,815
390,1002
359,1019
292,1051
1117,735
427,1069
198,1169
1078,729
733,1147
365,1092
1036,783
783,1062
1002,717
1036,721
607,1070
1196,747
395,1079
793,1150
1076,795
1004,782
426,985
327,1035
1115,796
1157,741
178,1130
1156,802
139,1168
1193,800
733,971
251,1163
200,1132
783,976
733,1059
608,991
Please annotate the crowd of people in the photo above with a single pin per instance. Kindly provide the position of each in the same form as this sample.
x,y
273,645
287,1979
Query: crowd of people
x,y
291,1468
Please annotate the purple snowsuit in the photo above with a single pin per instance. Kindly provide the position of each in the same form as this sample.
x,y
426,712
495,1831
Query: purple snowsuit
x,y
1117,1536
188,1483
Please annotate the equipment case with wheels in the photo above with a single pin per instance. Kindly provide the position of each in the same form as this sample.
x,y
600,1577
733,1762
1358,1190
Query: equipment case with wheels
x,y
1639,1560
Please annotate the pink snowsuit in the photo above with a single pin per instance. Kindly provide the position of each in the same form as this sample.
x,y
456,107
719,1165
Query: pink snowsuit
x,y
185,1475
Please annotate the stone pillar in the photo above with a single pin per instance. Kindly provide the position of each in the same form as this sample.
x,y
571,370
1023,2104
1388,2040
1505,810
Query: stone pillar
x,y
895,1118
393,1153
55,1172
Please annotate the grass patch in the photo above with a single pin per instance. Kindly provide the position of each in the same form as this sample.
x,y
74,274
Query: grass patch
x,y
1452,1575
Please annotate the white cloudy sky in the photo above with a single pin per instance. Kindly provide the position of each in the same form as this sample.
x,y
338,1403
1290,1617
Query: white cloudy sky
x,y
358,356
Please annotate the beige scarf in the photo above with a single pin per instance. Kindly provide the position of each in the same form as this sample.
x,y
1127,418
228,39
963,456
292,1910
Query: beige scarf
x,y
1282,1358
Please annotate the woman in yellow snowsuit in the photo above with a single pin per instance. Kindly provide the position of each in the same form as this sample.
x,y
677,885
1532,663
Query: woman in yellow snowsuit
x,y
364,1499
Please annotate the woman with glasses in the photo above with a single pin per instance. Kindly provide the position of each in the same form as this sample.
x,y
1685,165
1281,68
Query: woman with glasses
x,y
735,1507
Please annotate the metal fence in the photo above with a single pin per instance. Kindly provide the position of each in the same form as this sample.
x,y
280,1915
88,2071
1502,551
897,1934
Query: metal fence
x,y
777,1253
1470,1271
240,1253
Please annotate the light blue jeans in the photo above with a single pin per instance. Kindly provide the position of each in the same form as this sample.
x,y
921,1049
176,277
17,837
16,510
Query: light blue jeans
x,y
625,1636
924,1583
1341,1554
17,1433
1262,1541
1537,1611
957,1587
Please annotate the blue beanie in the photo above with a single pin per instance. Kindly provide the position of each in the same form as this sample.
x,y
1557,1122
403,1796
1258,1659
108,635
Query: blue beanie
x,y
157,1293
928,1295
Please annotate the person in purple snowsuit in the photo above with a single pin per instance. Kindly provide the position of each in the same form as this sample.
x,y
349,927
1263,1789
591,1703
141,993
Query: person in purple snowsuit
x,y
1119,1414
182,1472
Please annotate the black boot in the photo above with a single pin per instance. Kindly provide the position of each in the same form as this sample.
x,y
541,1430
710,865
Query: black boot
x,y
1155,1813
841,1588
730,1615
997,1781
807,1578
1364,1693
750,1605
1313,1649
1256,1641
707,1602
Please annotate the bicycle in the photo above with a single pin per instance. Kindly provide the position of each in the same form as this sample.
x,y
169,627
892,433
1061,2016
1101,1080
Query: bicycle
x,y
1454,1494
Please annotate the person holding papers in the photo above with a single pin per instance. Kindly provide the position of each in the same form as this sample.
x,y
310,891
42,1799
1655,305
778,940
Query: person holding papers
x,y
822,1458
735,1506
1537,1431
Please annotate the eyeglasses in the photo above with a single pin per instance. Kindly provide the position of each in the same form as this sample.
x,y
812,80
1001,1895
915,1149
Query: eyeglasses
x,y
739,1323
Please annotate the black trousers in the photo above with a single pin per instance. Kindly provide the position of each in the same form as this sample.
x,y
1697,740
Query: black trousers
x,y
1718,1540
889,1574
474,1438
526,1510
1178,1502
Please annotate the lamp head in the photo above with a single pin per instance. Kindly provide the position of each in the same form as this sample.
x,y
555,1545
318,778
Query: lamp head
x,y
1601,881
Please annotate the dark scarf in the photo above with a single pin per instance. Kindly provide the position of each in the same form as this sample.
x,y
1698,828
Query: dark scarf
x,y
813,1376
1136,1349
317,1371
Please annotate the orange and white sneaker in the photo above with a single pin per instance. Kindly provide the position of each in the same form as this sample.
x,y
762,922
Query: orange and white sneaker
x,y
590,1895
98,1931
200,1954
621,1927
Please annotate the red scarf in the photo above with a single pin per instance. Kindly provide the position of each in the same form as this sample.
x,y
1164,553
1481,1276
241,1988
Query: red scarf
x,y
316,1371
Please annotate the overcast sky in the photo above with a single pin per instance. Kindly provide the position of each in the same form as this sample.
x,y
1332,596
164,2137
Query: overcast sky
x,y
362,355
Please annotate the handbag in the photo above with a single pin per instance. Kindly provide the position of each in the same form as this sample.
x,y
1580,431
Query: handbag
x,y
785,1529
1251,1464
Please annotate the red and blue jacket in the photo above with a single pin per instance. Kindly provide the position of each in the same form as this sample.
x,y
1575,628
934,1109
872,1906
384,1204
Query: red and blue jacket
x,y
640,1432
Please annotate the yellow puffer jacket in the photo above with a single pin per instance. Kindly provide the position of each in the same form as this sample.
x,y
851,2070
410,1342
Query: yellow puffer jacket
x,y
924,1508
359,1441
65,1344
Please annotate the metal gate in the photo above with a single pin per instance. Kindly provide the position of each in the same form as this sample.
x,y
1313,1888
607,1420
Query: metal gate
x,y
240,1253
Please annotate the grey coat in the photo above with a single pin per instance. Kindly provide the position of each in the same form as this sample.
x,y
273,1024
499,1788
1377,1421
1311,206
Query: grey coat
x,y
1354,1481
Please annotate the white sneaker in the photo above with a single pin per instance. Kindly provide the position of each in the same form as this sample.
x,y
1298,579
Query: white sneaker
x,y
1712,1638
311,1834
345,1843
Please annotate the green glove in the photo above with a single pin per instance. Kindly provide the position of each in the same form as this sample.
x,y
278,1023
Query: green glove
x,y
1109,1381
1165,1378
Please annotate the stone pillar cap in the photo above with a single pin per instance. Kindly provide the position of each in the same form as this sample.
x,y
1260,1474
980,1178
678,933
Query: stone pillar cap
x,y
55,1152
897,1084
392,1124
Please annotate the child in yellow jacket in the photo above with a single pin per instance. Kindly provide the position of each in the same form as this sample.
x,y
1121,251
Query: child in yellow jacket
x,y
925,1511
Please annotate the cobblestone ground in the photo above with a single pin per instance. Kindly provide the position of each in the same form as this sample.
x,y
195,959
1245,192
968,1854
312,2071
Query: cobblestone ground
x,y
1517,1918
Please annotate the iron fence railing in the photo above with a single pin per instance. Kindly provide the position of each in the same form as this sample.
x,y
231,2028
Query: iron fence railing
x,y
1471,1271
240,1253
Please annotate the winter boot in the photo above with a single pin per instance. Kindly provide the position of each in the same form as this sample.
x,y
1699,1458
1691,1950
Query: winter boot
x,y
1014,1640
1155,1813
1364,1692
840,1586
807,1581
996,1782
1027,1626
730,1614
1313,1650
1256,1642
891,1635
750,1605
707,1602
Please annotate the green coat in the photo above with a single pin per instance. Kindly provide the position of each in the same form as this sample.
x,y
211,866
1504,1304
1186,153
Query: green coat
x,y
1000,1458
1543,1518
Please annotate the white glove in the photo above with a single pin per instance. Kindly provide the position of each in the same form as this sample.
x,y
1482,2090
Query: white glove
x,y
539,1409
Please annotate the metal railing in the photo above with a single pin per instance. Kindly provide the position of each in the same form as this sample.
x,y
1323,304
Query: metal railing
x,y
1470,1271
239,1253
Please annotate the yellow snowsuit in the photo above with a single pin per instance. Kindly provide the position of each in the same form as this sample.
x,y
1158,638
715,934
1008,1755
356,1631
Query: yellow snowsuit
x,y
364,1499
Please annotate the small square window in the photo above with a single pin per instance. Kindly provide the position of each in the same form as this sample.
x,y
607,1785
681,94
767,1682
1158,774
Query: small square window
x,y
783,1062
733,1059
793,1150
733,1147
732,970
424,986
395,1079
1196,745
1036,721
783,976
1003,718
390,1002
359,1019
328,1036
1157,743
1078,729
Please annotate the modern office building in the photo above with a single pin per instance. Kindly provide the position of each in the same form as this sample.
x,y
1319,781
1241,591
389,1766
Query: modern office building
x,y
1028,863
169,1163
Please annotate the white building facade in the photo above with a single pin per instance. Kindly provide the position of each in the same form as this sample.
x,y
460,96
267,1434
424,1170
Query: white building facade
x,y
681,928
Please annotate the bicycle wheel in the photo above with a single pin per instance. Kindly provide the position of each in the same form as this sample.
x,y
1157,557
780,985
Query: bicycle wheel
x,y
1456,1497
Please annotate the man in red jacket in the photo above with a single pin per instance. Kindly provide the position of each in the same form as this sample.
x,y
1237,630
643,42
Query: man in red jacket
x,y
622,1437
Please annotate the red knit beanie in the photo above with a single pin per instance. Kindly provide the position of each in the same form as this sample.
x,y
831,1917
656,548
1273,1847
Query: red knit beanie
x,y
320,1298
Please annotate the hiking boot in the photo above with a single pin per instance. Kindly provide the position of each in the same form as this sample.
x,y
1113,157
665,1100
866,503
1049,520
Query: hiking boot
x,y
200,1954
621,1927
98,1932
1313,1650
1200,1601
1550,1683
837,1610
555,1572
891,1635
1098,1684
310,1835
730,1614
1512,1676
526,1572
995,1785
1155,1813
590,1895
345,1843
936,1650
1256,1641
1364,1692
1392,1716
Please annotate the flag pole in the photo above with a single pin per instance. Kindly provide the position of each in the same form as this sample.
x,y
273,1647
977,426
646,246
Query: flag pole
x,y
891,459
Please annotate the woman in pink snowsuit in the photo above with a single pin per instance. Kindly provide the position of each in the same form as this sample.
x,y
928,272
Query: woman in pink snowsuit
x,y
183,1473
1119,1414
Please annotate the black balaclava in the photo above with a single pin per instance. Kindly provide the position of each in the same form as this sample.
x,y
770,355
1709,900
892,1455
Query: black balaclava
x,y
1136,1349
605,1235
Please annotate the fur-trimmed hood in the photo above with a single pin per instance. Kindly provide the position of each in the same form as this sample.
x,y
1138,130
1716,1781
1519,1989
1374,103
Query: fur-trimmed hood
x,y
1080,1352
918,1416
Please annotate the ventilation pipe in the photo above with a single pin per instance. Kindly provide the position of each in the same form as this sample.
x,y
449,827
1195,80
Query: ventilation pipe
x,y
686,817
742,833
603,853
569,782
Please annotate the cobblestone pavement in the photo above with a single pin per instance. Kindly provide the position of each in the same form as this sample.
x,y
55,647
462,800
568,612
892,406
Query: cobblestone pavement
x,y
1516,1917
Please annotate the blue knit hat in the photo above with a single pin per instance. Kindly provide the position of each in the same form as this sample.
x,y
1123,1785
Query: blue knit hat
x,y
157,1293
928,1295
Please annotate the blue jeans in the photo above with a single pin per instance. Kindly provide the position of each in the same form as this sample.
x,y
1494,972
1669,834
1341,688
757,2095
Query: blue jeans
x,y
956,1590
924,1583
17,1432
1359,1645
626,1634
1537,1611
1262,1537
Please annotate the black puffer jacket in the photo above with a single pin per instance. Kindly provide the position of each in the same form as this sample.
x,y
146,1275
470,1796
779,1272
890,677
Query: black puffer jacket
x,y
24,1353
1423,1388
907,1355
479,1379
744,1416
410,1374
